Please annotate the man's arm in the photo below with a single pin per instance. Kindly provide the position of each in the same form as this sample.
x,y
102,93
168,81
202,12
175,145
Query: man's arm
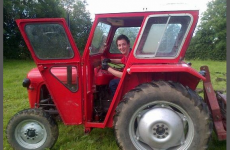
x,y
115,72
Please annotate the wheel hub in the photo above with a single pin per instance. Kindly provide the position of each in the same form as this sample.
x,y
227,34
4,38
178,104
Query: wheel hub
x,y
30,133
160,128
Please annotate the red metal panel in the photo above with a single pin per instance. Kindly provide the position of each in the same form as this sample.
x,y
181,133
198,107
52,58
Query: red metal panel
x,y
102,77
33,90
164,68
87,76
211,100
68,103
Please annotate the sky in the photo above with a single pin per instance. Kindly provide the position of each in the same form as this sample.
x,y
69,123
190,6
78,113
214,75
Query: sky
x,y
113,6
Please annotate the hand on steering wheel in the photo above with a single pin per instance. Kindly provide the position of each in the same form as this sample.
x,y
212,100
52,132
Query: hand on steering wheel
x,y
104,66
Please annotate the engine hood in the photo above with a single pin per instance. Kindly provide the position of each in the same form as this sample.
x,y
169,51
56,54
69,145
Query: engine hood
x,y
35,76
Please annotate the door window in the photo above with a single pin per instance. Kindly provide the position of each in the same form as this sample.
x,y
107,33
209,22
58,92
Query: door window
x,y
67,75
99,38
49,41
162,36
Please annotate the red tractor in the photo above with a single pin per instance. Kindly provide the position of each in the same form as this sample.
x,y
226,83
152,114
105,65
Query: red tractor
x,y
155,105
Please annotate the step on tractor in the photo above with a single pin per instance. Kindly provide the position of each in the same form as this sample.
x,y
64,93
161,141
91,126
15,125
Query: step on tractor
x,y
155,105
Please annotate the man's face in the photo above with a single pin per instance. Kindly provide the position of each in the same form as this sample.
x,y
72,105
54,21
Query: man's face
x,y
123,46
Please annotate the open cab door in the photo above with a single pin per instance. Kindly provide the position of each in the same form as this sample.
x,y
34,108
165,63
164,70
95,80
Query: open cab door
x,y
58,60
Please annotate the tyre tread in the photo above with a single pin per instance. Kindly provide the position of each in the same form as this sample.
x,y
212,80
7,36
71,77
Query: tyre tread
x,y
196,100
37,112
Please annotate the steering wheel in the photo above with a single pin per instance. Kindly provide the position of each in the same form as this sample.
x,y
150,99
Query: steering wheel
x,y
118,67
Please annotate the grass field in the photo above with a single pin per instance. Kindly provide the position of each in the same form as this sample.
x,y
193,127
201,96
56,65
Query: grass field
x,y
15,98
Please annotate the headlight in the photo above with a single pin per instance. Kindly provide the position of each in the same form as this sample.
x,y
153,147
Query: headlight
x,y
26,82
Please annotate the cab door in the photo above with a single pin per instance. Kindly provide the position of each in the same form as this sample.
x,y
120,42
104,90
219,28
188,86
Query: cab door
x,y
58,60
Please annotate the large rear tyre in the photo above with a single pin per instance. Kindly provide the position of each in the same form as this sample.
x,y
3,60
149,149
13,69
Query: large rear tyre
x,y
162,115
32,129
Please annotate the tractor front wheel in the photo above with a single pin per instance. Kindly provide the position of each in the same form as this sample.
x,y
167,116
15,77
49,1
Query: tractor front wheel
x,y
162,115
32,129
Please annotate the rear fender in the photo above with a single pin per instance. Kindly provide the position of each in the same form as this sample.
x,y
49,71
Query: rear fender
x,y
138,74
181,73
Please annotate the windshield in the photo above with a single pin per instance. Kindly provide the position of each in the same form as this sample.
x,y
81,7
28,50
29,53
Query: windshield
x,y
130,32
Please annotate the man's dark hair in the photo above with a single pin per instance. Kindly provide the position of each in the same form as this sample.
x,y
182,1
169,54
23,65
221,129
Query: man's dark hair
x,y
123,37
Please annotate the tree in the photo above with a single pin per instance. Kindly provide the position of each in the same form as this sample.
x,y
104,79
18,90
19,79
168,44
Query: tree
x,y
14,45
80,25
210,39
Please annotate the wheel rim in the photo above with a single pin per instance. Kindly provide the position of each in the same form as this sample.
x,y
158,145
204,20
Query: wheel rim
x,y
161,125
30,134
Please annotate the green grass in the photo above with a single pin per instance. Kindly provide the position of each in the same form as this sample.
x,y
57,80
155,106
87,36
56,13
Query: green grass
x,y
217,70
15,98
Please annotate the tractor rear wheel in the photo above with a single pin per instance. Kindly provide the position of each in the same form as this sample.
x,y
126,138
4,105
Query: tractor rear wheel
x,y
162,115
32,129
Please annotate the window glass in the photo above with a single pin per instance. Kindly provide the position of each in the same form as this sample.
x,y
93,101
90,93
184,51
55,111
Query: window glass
x,y
99,38
49,41
153,38
162,36
67,75
130,32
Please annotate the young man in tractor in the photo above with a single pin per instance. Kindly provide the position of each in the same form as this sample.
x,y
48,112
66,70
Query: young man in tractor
x,y
123,44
